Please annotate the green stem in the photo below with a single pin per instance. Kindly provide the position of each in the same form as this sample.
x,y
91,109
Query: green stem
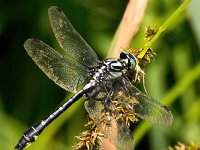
x,y
162,28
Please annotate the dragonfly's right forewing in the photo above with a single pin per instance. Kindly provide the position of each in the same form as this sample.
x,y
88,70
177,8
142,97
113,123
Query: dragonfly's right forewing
x,y
66,73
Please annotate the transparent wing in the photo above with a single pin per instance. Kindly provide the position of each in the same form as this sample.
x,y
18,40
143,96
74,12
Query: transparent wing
x,y
148,108
118,133
69,39
64,72
113,127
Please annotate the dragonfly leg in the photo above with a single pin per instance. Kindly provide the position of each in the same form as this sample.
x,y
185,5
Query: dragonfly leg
x,y
124,86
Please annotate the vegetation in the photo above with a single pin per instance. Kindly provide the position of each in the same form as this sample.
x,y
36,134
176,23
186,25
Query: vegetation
x,y
27,95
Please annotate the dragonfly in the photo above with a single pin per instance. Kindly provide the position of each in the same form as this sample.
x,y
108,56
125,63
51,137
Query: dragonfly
x,y
107,84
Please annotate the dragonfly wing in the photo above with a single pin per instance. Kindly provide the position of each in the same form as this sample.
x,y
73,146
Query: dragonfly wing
x,y
64,72
113,127
118,133
148,108
69,39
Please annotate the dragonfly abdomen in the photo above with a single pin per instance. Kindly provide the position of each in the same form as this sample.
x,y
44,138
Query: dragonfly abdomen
x,y
30,135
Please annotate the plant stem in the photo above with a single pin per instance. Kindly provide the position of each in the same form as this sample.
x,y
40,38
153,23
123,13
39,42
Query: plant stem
x,y
162,28
128,27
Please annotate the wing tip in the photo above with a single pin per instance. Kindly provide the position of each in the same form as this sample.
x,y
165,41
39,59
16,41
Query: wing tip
x,y
29,43
170,116
54,9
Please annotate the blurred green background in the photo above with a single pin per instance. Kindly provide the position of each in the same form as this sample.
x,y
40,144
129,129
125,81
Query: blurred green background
x,y
27,95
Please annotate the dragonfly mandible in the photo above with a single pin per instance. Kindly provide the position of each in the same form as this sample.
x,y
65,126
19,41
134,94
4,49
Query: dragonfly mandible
x,y
107,90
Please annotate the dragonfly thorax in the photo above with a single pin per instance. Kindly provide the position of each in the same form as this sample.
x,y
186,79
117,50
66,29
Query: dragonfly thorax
x,y
109,69
113,68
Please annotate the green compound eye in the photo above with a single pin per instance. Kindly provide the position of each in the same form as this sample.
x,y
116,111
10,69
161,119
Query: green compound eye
x,y
131,59
132,63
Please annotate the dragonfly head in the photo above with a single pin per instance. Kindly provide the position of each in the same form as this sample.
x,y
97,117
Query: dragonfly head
x,y
131,59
